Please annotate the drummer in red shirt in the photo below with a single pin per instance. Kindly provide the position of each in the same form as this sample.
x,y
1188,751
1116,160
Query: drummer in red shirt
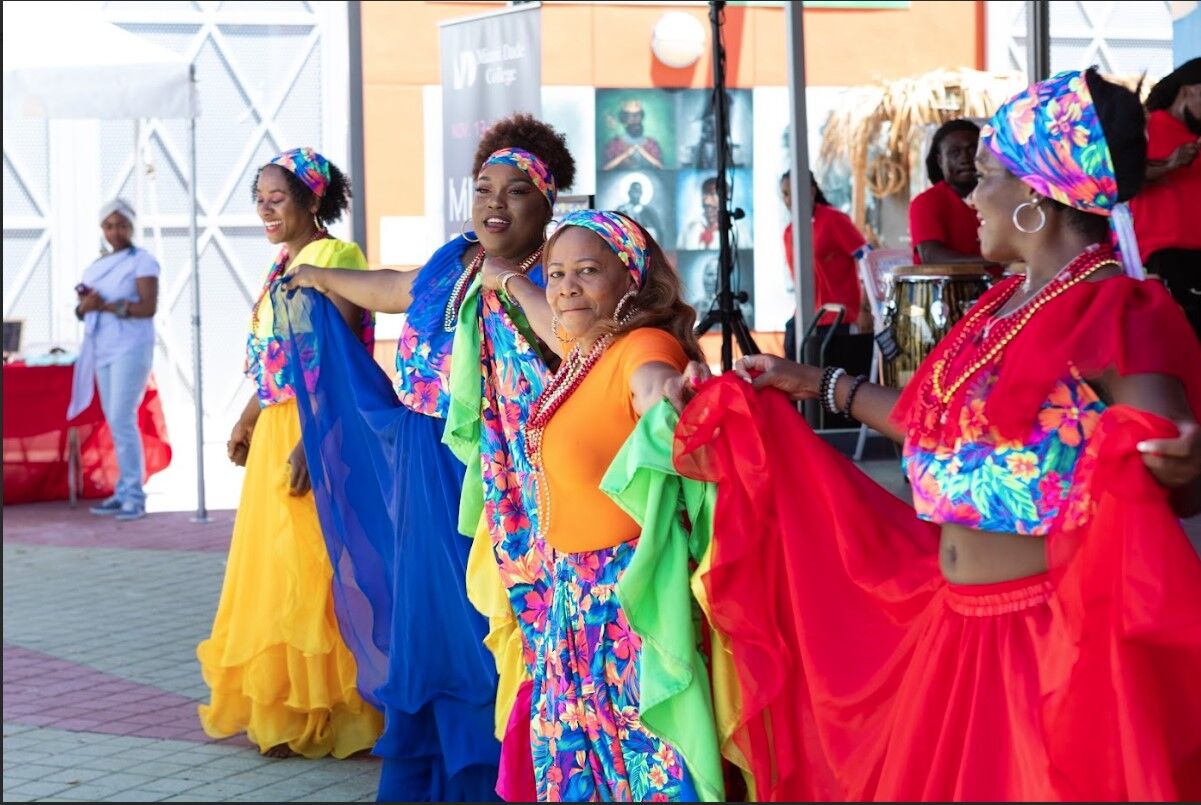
x,y
837,248
1167,211
942,227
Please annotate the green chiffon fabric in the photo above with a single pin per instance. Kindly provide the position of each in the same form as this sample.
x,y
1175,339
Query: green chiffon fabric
x,y
656,595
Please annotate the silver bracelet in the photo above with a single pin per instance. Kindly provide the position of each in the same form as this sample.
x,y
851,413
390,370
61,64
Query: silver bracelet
x,y
504,283
835,376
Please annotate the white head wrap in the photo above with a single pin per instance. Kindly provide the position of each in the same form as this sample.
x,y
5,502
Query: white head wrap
x,y
118,205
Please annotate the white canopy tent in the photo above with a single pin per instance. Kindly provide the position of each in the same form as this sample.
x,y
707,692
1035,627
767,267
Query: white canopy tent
x,y
62,60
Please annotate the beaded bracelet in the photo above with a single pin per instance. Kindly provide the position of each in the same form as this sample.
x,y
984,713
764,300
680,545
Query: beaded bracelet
x,y
824,383
835,376
859,381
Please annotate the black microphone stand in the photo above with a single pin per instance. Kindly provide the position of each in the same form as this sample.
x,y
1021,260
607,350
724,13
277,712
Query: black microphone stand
x,y
725,310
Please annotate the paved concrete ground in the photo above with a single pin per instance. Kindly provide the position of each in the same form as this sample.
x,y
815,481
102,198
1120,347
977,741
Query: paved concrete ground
x,y
101,681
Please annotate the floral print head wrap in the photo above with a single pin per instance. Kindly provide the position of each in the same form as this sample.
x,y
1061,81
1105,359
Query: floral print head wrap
x,y
309,166
529,164
1050,137
622,235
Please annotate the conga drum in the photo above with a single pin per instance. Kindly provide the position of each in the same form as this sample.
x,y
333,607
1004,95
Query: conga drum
x,y
924,302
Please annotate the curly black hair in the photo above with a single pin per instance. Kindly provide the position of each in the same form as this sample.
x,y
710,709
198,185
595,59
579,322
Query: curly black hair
x,y
334,203
951,126
1124,125
530,134
1164,93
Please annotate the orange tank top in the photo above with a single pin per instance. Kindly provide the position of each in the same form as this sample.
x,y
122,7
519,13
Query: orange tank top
x,y
584,436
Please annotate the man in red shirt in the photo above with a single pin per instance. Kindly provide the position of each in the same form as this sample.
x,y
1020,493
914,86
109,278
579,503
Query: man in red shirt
x,y
1167,212
942,227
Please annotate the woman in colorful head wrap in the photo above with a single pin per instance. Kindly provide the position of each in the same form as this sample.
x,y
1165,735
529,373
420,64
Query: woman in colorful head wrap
x,y
389,492
617,315
1026,632
277,667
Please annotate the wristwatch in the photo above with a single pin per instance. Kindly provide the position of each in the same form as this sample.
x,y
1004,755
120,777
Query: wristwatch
x,y
121,308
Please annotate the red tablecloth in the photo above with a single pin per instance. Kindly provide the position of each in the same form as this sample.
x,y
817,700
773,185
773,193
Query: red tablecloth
x,y
35,436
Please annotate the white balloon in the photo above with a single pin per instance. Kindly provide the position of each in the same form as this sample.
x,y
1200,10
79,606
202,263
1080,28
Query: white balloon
x,y
678,39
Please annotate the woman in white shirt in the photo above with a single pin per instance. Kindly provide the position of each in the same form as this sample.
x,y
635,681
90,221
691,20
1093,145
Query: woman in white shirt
x,y
118,297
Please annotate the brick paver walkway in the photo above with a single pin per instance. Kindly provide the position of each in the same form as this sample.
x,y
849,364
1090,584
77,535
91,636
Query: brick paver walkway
x,y
101,682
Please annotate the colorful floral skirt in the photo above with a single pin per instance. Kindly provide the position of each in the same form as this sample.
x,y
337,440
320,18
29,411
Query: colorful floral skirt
x,y
588,740
277,666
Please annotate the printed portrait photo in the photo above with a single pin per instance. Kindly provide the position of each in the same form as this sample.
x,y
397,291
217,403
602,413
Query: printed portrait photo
x,y
696,130
635,129
697,204
646,196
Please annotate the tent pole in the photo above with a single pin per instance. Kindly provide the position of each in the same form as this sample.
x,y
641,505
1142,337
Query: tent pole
x,y
139,182
1038,40
802,207
197,384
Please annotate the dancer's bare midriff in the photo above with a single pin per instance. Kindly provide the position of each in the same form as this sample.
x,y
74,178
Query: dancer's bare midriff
x,y
968,556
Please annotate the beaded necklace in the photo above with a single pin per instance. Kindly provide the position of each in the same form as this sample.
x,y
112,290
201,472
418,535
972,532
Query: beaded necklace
x,y
451,316
995,341
277,271
558,390
561,386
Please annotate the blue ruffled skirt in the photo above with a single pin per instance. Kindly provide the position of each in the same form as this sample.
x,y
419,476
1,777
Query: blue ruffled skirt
x,y
387,493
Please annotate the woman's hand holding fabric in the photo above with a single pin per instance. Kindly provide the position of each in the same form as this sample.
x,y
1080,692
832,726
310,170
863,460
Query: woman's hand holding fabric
x,y
680,389
304,276
298,477
798,381
1175,462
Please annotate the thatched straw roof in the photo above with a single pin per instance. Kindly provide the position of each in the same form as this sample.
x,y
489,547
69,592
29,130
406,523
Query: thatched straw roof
x,y
881,131
889,115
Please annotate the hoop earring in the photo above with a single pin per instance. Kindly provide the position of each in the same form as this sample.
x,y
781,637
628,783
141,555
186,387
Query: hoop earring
x,y
630,294
463,232
555,324
1042,217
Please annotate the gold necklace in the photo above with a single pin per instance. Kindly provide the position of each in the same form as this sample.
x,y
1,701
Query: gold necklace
x,y
942,392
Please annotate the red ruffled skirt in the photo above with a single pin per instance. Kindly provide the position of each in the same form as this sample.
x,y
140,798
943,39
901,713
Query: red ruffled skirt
x,y
865,676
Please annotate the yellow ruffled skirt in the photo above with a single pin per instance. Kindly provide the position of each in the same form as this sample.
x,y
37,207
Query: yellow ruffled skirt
x,y
275,661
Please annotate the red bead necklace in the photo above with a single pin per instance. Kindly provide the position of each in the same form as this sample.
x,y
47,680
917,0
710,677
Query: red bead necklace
x,y
995,340
558,390
561,386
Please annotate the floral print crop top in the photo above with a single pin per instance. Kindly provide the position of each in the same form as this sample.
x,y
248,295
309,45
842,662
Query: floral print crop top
x,y
423,348
266,362
986,482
